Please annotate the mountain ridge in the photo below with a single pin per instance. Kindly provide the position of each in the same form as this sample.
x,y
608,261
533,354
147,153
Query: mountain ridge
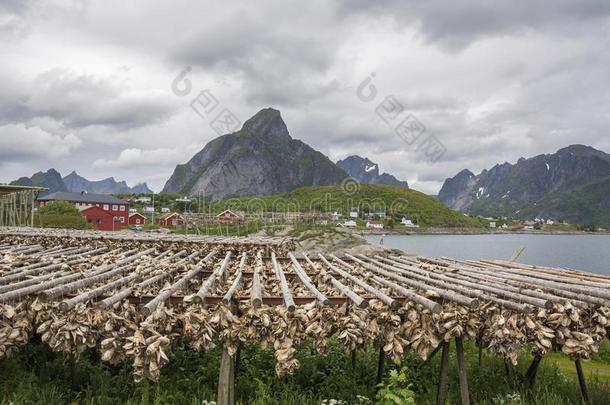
x,y
572,184
259,159
366,171
73,182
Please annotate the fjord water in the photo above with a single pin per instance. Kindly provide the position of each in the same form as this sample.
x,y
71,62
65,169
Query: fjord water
x,y
583,252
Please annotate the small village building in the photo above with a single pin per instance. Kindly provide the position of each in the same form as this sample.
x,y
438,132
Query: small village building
x,y
143,200
165,210
115,207
228,217
349,224
335,215
377,214
137,219
172,220
408,223
492,224
353,213
374,224
293,216
101,219
550,222
149,210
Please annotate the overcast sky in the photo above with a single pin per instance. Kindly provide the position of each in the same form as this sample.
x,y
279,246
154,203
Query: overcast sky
x,y
87,85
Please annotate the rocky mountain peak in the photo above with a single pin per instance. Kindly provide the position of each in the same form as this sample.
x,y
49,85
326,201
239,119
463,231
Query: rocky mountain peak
x,y
260,159
267,124
367,171
571,184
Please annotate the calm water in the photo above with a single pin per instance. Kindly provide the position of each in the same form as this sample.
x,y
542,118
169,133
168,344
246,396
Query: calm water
x,y
584,252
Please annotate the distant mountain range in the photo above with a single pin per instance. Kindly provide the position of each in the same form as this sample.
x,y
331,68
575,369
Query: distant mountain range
x,y
52,180
366,171
259,159
572,184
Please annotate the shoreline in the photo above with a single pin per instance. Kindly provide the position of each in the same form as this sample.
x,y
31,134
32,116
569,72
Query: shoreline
x,y
391,232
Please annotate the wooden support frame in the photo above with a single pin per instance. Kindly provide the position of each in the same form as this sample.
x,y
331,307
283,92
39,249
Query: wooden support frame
x,y
530,374
582,382
462,375
441,393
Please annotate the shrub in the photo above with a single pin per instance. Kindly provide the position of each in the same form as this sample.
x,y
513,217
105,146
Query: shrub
x,y
59,208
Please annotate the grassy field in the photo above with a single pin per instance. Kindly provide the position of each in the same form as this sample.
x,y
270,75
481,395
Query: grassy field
x,y
395,201
190,378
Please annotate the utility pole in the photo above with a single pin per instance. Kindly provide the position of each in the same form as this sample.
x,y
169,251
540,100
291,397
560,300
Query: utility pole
x,y
153,210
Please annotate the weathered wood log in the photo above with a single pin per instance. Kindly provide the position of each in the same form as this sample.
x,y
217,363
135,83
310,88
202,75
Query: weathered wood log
x,y
236,282
15,295
33,272
444,293
255,290
307,281
477,275
288,301
99,274
421,275
68,304
203,291
33,281
125,293
519,298
183,282
563,275
520,281
391,302
346,291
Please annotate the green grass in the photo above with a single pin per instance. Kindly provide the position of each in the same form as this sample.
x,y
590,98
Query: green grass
x,y
396,201
191,377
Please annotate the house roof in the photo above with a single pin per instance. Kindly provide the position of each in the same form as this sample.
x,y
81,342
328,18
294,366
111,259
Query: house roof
x,y
82,197
375,222
136,213
169,215
227,212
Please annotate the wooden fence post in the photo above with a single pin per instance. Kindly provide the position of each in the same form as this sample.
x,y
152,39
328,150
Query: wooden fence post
x,y
530,374
581,380
380,364
226,379
441,393
461,364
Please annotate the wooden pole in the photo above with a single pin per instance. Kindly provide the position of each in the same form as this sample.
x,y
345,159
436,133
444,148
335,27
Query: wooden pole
x,y
380,364
583,384
530,374
441,393
509,371
226,379
459,348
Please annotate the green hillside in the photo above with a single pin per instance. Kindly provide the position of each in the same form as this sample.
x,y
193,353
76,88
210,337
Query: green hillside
x,y
395,201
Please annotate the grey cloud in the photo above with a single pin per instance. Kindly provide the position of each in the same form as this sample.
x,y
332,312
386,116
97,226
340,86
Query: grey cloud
x,y
77,101
456,25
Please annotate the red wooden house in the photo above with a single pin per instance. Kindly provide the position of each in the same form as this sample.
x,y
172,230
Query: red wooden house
x,y
102,220
137,219
172,220
228,217
115,207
